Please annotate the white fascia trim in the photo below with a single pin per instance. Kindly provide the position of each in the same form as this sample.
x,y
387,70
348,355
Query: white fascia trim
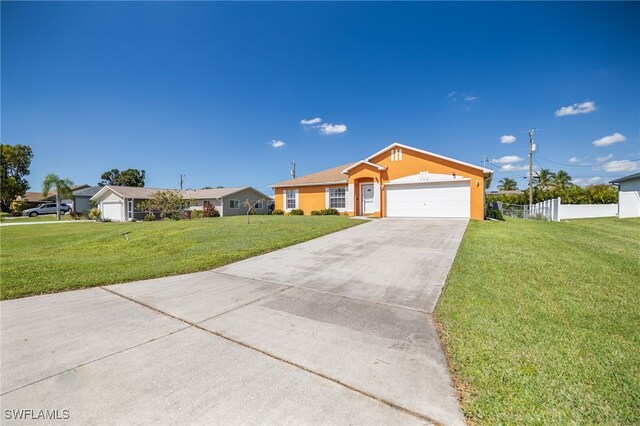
x,y
340,182
432,182
377,166
103,190
397,144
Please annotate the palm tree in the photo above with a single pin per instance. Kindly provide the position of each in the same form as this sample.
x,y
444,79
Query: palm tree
x,y
507,184
562,179
543,179
62,186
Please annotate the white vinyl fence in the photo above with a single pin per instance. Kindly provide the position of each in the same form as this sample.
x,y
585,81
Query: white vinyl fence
x,y
555,211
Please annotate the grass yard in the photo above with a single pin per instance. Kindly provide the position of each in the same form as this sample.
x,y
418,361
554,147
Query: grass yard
x,y
541,322
40,218
47,258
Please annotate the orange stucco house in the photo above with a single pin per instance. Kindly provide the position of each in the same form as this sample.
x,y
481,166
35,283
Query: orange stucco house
x,y
398,181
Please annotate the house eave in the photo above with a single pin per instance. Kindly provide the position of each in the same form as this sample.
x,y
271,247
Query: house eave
x,y
340,182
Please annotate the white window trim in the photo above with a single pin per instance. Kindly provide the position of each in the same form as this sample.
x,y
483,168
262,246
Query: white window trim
x,y
130,208
297,197
327,200
259,205
230,204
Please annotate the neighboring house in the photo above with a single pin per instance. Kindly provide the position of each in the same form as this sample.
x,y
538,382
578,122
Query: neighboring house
x,y
398,181
120,203
628,195
82,198
36,198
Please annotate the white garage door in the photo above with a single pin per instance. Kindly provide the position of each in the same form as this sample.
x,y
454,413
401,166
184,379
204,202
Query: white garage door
x,y
447,199
112,211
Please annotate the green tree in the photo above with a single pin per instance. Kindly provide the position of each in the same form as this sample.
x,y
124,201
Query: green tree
x,y
15,161
562,179
543,179
62,186
602,194
507,184
168,203
129,177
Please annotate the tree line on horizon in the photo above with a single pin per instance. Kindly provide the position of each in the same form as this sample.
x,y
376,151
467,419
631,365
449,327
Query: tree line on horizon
x,y
548,185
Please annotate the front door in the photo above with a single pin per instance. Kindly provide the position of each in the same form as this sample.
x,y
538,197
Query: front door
x,y
367,198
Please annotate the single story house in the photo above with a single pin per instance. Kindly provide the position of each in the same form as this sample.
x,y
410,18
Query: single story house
x,y
628,195
397,181
82,198
34,199
120,203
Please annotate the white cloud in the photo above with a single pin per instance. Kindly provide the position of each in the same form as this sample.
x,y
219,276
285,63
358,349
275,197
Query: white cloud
x,y
512,168
507,159
621,166
591,181
574,160
507,139
311,121
470,98
604,159
610,140
581,108
276,143
332,129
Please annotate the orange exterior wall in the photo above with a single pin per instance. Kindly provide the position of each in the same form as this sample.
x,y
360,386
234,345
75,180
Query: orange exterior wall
x,y
309,197
415,162
412,163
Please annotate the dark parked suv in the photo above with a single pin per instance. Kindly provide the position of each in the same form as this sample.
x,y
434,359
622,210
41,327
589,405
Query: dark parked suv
x,y
48,208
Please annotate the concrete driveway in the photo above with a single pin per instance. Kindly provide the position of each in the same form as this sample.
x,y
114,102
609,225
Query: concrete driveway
x,y
333,331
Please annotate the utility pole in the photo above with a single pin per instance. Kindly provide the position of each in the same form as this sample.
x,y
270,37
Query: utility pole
x,y
293,170
484,161
531,149
182,181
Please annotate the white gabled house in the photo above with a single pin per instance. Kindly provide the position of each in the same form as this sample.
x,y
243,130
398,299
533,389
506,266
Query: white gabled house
x,y
120,203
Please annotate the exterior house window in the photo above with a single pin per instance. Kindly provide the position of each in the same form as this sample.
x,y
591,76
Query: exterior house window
x,y
260,205
337,198
234,204
291,199
206,203
130,208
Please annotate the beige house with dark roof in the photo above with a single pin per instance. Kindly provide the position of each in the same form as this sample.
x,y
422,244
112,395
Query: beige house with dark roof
x,y
120,203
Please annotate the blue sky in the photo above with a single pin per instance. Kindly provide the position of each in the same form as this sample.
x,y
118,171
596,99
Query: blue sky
x,y
205,88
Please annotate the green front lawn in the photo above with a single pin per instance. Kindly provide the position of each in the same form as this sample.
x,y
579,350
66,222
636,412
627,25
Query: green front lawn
x,y
541,322
39,218
39,259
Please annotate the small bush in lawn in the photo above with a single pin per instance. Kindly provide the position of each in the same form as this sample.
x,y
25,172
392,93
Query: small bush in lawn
x,y
329,212
494,214
296,212
76,215
18,206
186,214
210,211
149,217
196,214
94,214
315,213
278,212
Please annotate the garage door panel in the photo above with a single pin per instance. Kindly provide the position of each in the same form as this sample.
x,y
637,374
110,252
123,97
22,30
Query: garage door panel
x,y
429,200
112,211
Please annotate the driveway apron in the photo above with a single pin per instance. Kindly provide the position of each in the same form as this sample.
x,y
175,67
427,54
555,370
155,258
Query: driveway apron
x,y
337,330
